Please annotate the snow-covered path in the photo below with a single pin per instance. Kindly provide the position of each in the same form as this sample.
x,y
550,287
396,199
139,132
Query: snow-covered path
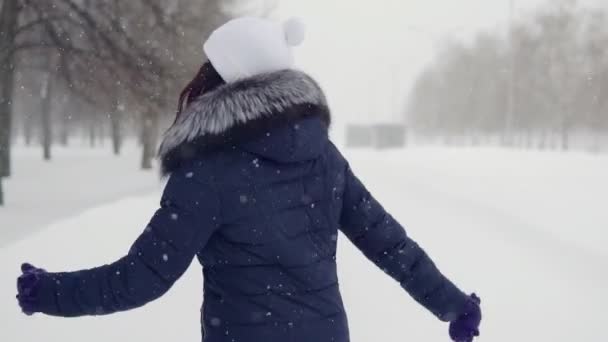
x,y
77,178
536,284
540,277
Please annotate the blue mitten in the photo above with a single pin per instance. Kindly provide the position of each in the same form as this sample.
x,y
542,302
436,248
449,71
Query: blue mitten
x,y
466,326
27,288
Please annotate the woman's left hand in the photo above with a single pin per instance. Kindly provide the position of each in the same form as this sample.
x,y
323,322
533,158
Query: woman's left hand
x,y
27,288
466,327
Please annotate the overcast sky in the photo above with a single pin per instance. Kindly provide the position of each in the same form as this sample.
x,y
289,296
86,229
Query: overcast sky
x,y
363,49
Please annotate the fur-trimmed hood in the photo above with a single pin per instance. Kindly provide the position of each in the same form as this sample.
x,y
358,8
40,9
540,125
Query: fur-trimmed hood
x,y
234,112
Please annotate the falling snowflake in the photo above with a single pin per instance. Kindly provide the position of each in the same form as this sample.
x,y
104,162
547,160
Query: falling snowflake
x,y
215,322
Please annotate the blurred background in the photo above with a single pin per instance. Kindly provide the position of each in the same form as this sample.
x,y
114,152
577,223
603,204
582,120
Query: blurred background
x,y
481,124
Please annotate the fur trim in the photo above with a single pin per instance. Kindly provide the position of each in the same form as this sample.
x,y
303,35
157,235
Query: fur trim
x,y
236,104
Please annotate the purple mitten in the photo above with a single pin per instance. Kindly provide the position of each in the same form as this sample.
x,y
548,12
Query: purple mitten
x,y
466,326
27,288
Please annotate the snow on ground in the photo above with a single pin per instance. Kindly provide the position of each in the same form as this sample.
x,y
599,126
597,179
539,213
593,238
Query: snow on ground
x,y
523,230
76,179
559,196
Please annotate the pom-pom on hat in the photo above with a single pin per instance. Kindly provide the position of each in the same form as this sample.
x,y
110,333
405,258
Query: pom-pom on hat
x,y
249,46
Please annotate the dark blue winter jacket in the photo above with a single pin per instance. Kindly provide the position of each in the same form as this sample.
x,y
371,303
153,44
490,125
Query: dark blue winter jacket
x,y
257,192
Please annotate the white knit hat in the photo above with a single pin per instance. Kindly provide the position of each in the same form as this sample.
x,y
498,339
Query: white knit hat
x,y
248,46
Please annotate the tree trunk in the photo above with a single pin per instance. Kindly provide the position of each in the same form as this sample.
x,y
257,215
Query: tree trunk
x,y
596,141
92,133
101,134
140,137
1,194
521,139
564,137
8,27
28,128
529,139
115,128
515,140
116,134
542,140
149,137
65,128
475,138
45,115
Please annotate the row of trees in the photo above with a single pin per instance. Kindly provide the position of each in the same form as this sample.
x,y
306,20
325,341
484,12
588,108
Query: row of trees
x,y
547,78
68,66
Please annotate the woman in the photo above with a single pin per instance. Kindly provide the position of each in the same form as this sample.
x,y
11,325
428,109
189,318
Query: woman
x,y
257,192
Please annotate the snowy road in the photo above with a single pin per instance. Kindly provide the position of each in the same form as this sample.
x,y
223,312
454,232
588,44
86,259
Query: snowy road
x,y
535,286
78,178
540,277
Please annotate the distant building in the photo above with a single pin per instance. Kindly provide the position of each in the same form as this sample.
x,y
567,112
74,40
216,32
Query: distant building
x,y
389,136
379,136
360,135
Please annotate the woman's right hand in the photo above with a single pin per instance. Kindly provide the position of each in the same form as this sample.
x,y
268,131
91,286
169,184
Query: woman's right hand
x,y
27,288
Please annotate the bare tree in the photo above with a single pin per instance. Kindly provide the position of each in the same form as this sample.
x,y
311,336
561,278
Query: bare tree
x,y
46,109
557,88
120,57
8,33
97,54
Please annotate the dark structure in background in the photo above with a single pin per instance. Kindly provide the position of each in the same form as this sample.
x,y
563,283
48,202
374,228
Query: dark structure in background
x,y
389,136
359,136
379,136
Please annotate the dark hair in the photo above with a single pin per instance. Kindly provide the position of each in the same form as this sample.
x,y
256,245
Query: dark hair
x,y
205,80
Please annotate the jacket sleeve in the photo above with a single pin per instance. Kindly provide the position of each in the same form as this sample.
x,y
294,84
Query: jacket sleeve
x,y
186,219
384,241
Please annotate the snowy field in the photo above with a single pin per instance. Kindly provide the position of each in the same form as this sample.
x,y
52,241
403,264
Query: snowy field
x,y
76,179
526,231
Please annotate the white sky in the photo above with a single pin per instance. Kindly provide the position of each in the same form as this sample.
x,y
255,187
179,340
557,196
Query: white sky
x,y
373,49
